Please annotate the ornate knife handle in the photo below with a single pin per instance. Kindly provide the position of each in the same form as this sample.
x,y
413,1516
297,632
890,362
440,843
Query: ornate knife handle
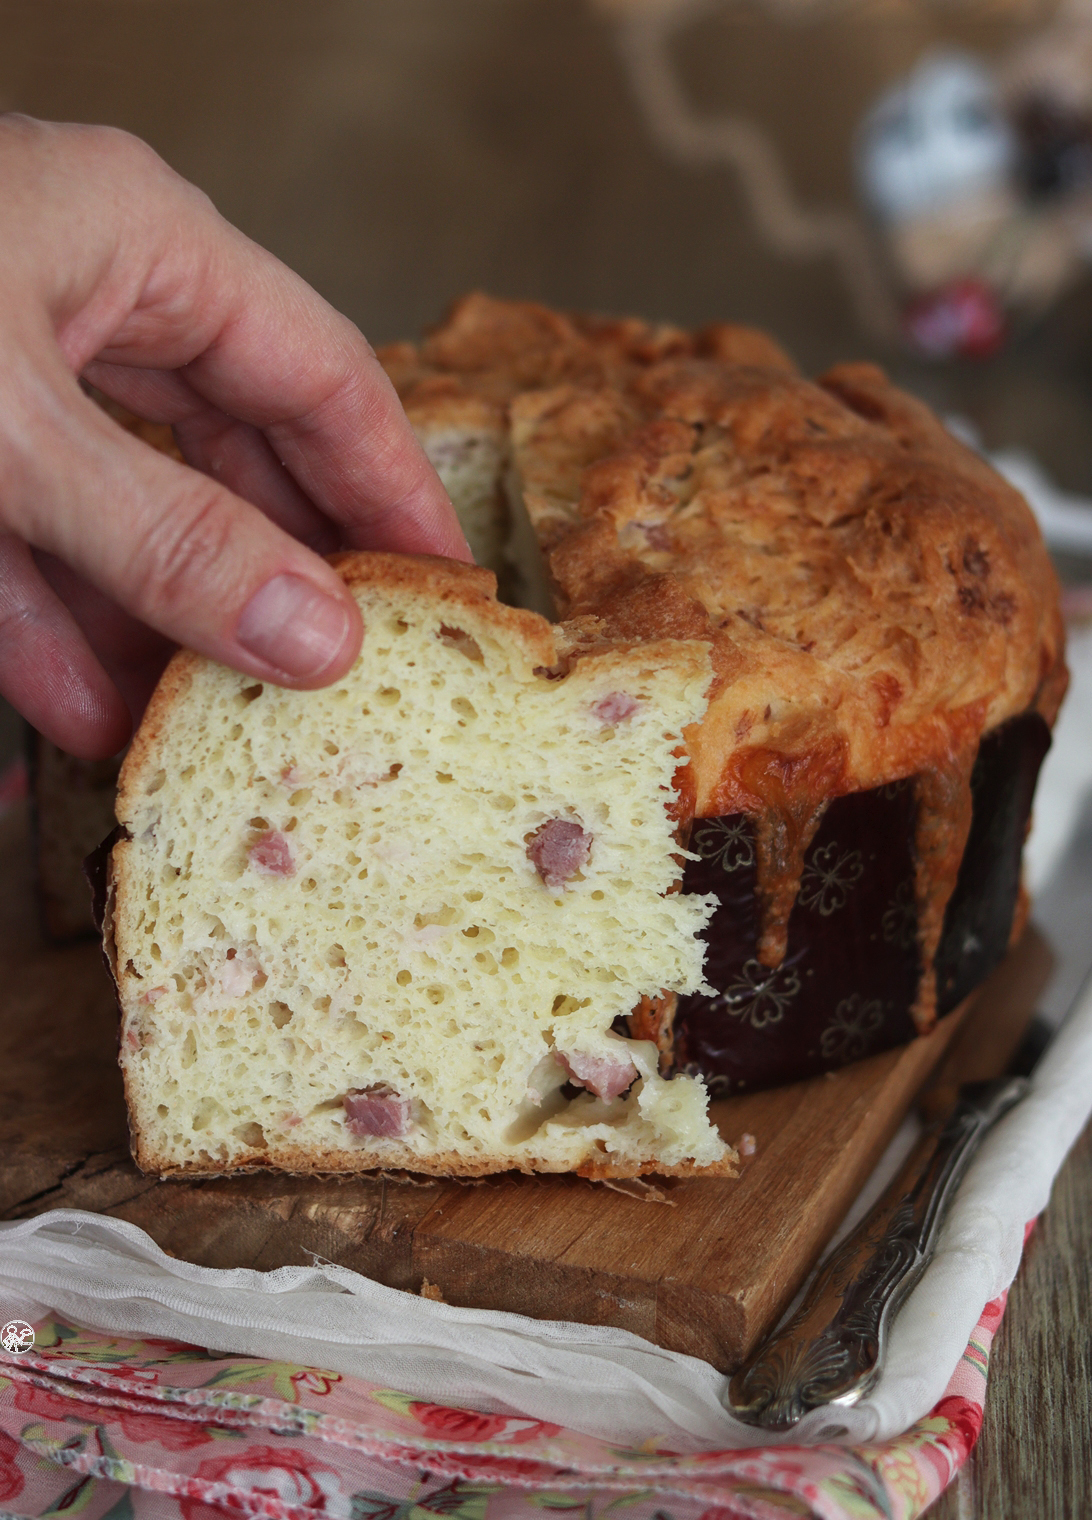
x,y
831,1350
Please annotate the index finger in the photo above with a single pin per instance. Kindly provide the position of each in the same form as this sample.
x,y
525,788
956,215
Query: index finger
x,y
336,423
255,341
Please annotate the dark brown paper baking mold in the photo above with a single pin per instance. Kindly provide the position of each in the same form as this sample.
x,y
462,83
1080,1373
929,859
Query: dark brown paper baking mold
x,y
849,980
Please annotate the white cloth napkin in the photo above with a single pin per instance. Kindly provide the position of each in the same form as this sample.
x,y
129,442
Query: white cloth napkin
x,y
109,1275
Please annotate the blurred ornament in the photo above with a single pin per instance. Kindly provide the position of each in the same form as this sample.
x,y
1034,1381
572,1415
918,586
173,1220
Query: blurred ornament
x,y
1056,146
963,320
935,141
935,161
977,177
1047,84
981,185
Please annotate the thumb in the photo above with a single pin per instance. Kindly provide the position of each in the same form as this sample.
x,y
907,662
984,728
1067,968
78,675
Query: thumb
x,y
176,549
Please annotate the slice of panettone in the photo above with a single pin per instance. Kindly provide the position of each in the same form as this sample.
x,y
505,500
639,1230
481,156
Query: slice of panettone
x,y
399,922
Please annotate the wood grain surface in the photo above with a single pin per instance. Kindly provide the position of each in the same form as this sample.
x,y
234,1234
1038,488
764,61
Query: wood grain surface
x,y
1033,1460
700,1266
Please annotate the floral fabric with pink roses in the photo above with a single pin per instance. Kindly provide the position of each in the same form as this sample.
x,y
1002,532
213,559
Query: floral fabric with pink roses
x,y
117,1429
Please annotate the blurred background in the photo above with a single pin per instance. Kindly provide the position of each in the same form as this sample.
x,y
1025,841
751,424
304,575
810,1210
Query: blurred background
x,y
904,180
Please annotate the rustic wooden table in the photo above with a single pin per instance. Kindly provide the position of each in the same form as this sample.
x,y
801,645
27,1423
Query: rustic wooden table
x,y
1033,1460
707,1272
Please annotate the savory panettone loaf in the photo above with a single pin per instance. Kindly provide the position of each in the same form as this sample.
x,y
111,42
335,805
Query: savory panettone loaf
x,y
400,922
884,624
809,654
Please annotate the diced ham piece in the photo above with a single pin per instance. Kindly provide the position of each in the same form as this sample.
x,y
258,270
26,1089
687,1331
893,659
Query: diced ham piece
x,y
376,1110
615,707
605,1076
558,850
270,854
237,977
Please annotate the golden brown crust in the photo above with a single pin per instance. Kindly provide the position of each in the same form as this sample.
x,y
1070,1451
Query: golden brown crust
x,y
869,576
835,537
144,747
488,352
733,344
876,596
450,581
392,1157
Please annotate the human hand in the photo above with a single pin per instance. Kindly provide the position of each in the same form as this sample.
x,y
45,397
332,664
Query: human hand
x,y
114,269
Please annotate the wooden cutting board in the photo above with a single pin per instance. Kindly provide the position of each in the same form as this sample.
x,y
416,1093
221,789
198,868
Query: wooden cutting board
x,y
697,1266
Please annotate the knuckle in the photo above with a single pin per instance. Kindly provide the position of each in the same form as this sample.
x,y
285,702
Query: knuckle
x,y
17,127
342,376
180,560
20,609
358,405
16,616
115,143
115,157
18,620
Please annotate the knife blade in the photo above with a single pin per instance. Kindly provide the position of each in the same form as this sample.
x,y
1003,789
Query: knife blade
x,y
831,1350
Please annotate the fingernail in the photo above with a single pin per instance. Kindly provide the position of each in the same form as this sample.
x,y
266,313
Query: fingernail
x,y
294,626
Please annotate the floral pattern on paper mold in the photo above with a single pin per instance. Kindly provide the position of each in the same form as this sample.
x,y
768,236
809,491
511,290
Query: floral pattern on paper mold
x,y
726,840
899,924
852,1032
760,995
829,876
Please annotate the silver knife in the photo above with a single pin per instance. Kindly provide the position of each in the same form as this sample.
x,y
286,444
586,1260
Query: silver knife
x,y
831,1351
